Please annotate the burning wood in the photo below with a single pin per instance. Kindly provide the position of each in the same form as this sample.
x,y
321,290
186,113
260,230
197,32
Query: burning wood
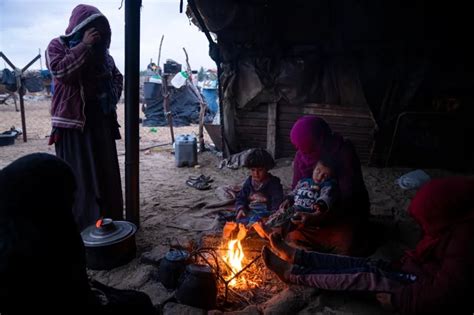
x,y
243,278
237,262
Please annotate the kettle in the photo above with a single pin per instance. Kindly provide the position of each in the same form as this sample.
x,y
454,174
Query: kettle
x,y
172,267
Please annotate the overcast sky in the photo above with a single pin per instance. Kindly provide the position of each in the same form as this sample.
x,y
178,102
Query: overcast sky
x,y
29,25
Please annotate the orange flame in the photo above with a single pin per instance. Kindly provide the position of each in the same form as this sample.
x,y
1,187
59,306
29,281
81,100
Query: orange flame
x,y
235,255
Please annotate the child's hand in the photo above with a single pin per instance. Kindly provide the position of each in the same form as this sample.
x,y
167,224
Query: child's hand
x,y
300,218
240,214
285,204
317,208
320,207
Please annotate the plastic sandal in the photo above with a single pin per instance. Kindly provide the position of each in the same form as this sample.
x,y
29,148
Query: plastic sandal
x,y
202,178
200,185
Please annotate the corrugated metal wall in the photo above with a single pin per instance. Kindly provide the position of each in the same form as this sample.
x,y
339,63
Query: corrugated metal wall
x,y
354,123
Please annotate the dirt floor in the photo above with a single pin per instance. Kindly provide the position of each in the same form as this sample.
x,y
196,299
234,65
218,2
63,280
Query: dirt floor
x,y
169,209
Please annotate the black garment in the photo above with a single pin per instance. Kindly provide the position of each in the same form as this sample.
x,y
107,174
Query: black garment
x,y
92,154
42,257
41,251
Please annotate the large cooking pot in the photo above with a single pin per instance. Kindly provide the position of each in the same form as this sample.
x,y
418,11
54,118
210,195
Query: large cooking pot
x,y
197,287
109,244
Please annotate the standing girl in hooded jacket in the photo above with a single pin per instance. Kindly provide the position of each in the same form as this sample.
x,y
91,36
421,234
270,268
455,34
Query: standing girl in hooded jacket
x,y
88,86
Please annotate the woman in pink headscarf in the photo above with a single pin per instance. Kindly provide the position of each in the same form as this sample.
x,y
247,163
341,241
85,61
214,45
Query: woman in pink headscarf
x,y
339,231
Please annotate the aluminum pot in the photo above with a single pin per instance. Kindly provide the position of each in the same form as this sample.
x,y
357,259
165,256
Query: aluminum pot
x,y
109,244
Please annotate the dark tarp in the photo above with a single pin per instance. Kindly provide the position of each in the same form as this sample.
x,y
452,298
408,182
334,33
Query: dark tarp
x,y
183,104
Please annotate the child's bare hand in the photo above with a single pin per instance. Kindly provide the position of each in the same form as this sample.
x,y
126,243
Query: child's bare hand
x,y
285,204
91,36
240,214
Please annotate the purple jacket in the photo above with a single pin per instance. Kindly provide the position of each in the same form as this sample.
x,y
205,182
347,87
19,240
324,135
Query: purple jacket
x,y
66,66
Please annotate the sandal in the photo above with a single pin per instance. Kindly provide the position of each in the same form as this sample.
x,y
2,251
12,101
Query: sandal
x,y
201,185
201,178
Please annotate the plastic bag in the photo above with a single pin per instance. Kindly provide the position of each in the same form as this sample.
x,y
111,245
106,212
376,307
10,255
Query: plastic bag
x,y
413,180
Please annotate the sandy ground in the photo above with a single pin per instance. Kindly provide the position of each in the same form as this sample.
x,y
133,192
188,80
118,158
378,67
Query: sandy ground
x,y
165,199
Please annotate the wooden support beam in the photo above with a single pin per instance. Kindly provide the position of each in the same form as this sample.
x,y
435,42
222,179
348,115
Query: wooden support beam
x,y
271,128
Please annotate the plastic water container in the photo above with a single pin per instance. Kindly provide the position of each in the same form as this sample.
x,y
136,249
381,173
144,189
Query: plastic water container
x,y
179,79
151,90
185,150
155,79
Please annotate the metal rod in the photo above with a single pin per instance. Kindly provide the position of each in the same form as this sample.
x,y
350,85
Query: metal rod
x,y
7,60
30,63
132,102
243,269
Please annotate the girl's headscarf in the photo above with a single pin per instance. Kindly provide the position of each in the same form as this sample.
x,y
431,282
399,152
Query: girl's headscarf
x,y
438,207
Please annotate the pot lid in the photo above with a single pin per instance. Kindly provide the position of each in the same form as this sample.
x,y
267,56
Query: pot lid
x,y
177,255
107,231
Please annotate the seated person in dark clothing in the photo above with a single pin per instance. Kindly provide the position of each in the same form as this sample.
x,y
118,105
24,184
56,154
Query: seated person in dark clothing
x,y
42,257
434,278
261,193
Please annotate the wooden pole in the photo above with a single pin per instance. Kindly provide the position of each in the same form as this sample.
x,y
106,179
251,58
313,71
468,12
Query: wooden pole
x,y
202,104
167,112
159,52
21,89
271,128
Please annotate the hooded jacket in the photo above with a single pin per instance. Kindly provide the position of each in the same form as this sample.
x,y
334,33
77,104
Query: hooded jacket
x,y
67,65
443,260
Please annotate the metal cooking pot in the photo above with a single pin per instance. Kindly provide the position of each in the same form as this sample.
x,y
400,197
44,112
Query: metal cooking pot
x,y
109,244
172,267
197,287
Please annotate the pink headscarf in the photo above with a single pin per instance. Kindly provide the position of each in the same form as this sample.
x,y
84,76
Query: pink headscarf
x,y
311,136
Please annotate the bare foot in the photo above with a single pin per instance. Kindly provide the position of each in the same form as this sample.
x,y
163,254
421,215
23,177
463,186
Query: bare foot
x,y
258,227
280,267
283,250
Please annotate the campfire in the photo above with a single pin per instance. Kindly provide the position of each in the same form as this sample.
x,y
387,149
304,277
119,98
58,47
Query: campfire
x,y
235,256
242,276
236,261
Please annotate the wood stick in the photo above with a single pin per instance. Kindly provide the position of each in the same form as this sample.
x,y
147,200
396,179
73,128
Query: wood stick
x,y
202,104
159,51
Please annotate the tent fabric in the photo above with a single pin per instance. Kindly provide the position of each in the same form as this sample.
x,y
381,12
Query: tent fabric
x,y
382,55
183,104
